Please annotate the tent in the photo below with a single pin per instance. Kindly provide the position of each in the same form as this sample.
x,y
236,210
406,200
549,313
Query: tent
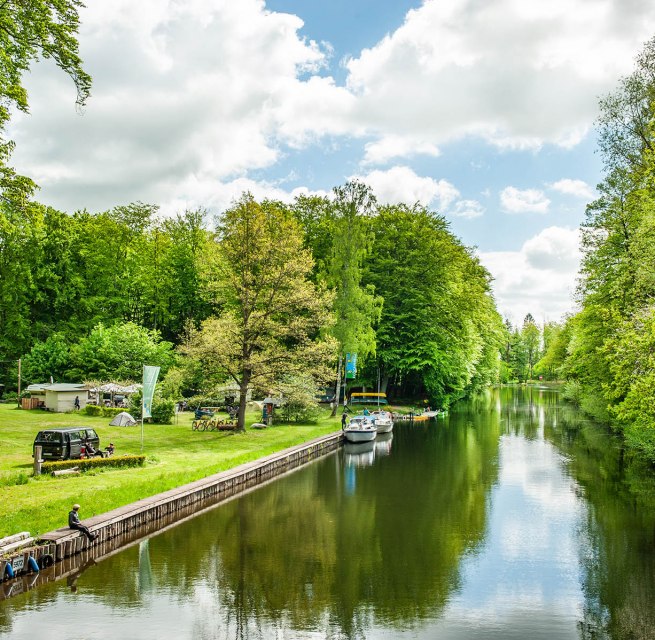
x,y
123,419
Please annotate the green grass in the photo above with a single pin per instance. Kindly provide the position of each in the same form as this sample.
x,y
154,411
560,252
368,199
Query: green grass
x,y
175,455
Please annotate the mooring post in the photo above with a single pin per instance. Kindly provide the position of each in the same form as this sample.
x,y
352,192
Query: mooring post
x,y
37,460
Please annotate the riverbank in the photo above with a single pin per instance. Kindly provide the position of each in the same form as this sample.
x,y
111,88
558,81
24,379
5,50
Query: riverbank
x,y
175,455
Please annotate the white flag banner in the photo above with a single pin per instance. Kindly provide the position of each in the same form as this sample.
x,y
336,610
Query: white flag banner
x,y
150,375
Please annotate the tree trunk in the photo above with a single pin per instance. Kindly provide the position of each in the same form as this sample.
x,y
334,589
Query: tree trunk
x,y
243,398
337,396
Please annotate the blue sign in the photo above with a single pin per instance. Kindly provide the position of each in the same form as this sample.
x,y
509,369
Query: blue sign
x,y
351,366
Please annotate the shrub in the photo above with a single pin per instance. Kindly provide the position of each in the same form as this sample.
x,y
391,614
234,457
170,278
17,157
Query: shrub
x,y
162,410
572,391
93,463
110,412
92,410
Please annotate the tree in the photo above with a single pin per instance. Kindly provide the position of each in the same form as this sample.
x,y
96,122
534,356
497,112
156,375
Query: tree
x,y
271,314
29,30
119,353
356,308
531,338
439,321
51,358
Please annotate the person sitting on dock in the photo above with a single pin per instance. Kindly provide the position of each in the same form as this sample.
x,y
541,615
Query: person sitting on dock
x,y
74,523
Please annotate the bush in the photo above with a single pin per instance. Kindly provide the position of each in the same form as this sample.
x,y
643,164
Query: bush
x,y
110,412
572,391
92,410
93,463
162,410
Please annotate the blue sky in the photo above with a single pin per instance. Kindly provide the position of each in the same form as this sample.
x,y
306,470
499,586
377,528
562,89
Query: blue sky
x,y
483,112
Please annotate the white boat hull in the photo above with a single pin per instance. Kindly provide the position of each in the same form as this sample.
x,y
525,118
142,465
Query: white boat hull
x,y
360,435
384,426
383,421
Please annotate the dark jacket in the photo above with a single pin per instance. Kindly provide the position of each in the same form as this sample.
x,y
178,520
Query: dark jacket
x,y
73,519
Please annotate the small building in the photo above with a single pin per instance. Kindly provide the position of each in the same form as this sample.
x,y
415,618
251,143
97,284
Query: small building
x,y
58,396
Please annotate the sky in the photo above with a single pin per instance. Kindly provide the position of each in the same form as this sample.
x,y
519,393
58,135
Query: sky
x,y
481,110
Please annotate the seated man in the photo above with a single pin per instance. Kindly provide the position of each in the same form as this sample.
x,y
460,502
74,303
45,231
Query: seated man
x,y
110,449
74,523
90,451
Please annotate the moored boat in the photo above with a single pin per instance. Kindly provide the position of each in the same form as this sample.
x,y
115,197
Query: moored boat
x,y
383,421
360,429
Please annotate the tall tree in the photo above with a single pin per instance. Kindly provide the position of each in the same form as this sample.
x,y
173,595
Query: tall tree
x,y
438,316
531,337
271,314
356,307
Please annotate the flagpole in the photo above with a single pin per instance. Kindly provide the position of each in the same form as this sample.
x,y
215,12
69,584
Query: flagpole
x,y
143,396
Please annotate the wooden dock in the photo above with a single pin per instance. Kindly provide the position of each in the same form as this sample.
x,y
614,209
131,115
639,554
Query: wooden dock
x,y
57,550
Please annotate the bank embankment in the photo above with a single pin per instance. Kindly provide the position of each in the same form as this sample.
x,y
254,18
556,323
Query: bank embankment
x,y
131,523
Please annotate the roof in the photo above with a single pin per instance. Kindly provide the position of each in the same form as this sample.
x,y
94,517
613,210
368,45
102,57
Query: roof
x,y
58,386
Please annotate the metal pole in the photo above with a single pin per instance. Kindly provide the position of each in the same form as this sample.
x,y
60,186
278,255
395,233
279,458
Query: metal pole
x,y
142,405
19,365
38,451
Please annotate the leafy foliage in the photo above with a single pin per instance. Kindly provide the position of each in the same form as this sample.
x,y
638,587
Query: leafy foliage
x,y
272,314
609,342
119,353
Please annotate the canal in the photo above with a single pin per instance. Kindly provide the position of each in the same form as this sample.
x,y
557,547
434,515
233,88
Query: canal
x,y
511,518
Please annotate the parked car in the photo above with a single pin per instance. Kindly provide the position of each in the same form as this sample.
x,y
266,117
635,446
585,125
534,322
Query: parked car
x,y
65,444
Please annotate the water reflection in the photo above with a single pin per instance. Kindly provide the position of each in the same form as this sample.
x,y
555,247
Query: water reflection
x,y
511,518
383,444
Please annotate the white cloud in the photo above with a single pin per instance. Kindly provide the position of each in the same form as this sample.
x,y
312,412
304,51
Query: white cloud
x,y
401,185
515,200
517,73
577,188
539,278
218,196
184,94
467,209
209,91
390,147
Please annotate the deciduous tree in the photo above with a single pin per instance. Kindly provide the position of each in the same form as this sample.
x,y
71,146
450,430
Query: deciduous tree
x,y
272,316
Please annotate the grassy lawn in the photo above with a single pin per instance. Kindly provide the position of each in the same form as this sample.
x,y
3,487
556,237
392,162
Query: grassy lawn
x,y
175,455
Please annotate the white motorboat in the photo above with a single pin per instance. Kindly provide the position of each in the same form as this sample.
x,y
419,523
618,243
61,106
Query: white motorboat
x,y
383,420
360,429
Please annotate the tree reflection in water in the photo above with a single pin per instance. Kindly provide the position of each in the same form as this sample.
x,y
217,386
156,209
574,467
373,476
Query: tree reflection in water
x,y
343,549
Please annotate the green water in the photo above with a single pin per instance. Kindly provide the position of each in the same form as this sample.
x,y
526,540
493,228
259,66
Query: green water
x,y
511,518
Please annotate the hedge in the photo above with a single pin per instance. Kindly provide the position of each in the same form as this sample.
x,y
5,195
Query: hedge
x,y
86,464
96,410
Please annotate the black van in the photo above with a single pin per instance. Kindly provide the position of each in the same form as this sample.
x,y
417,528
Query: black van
x,y
64,444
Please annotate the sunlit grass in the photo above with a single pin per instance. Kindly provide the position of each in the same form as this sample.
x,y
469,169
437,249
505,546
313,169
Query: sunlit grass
x,y
175,454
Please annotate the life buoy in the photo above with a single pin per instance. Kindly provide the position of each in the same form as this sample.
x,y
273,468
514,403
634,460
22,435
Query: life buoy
x,y
33,564
9,572
46,560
